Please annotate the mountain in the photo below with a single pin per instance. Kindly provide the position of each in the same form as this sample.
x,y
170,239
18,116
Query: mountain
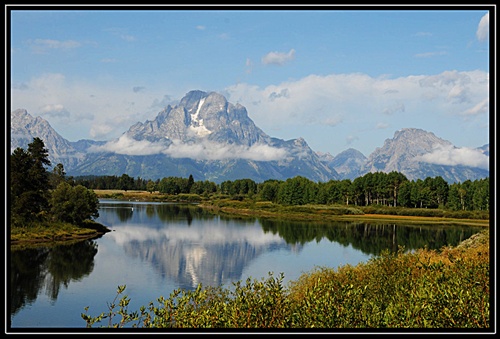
x,y
485,149
201,116
419,154
25,127
213,139
204,135
347,163
208,137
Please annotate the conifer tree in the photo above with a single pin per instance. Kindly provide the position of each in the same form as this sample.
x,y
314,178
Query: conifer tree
x,y
29,181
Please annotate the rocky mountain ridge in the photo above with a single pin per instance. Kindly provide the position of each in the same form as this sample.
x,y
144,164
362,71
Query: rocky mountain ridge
x,y
212,139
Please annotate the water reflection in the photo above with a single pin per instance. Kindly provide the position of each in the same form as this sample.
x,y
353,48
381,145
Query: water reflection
x,y
212,252
48,269
159,245
186,244
371,239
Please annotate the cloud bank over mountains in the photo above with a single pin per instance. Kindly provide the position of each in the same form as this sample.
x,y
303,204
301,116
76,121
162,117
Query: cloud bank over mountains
x,y
453,156
201,150
346,106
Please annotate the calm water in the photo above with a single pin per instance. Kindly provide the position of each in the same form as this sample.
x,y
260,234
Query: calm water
x,y
155,248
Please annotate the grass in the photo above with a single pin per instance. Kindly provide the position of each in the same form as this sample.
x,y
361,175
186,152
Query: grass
x,y
53,233
146,196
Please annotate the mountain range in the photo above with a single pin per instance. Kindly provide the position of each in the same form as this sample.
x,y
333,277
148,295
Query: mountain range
x,y
213,139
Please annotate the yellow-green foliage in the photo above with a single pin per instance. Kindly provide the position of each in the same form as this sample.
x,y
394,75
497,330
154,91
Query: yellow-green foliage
x,y
449,288
424,289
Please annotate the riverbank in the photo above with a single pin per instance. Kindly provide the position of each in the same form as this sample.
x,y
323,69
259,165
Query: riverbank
x,y
315,213
250,208
54,234
445,289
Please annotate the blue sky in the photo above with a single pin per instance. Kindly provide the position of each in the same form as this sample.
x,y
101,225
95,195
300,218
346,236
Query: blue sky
x,y
338,78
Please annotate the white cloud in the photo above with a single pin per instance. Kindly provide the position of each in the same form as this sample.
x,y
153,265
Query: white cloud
x,y
248,66
447,78
201,150
55,110
278,58
121,33
282,94
40,46
430,54
52,108
354,103
333,121
129,38
138,88
215,151
129,146
453,156
423,101
224,36
354,95
480,108
483,28
101,109
351,138
98,130
399,107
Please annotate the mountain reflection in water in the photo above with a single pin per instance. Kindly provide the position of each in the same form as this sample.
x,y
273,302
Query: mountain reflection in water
x,y
210,254
155,248
193,246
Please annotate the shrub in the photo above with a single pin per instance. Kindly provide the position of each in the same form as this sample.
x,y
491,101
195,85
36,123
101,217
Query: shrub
x,y
449,288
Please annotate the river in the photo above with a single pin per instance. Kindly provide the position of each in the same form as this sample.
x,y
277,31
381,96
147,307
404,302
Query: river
x,y
155,248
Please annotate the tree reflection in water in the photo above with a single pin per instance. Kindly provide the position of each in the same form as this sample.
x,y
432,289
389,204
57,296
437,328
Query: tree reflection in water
x,y
371,239
32,270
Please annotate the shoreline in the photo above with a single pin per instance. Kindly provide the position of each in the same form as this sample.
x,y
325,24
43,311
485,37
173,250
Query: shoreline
x,y
245,212
243,209
301,213
30,238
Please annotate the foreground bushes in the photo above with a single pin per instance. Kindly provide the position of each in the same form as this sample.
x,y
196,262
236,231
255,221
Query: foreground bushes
x,y
424,289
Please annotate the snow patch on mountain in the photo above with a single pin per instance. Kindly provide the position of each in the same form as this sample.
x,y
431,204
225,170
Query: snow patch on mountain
x,y
197,125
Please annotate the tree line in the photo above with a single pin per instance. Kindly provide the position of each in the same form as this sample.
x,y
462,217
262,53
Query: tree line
x,y
379,188
38,195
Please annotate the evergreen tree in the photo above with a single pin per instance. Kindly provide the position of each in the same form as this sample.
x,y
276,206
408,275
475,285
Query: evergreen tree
x,y
20,185
29,181
126,182
57,176
190,183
